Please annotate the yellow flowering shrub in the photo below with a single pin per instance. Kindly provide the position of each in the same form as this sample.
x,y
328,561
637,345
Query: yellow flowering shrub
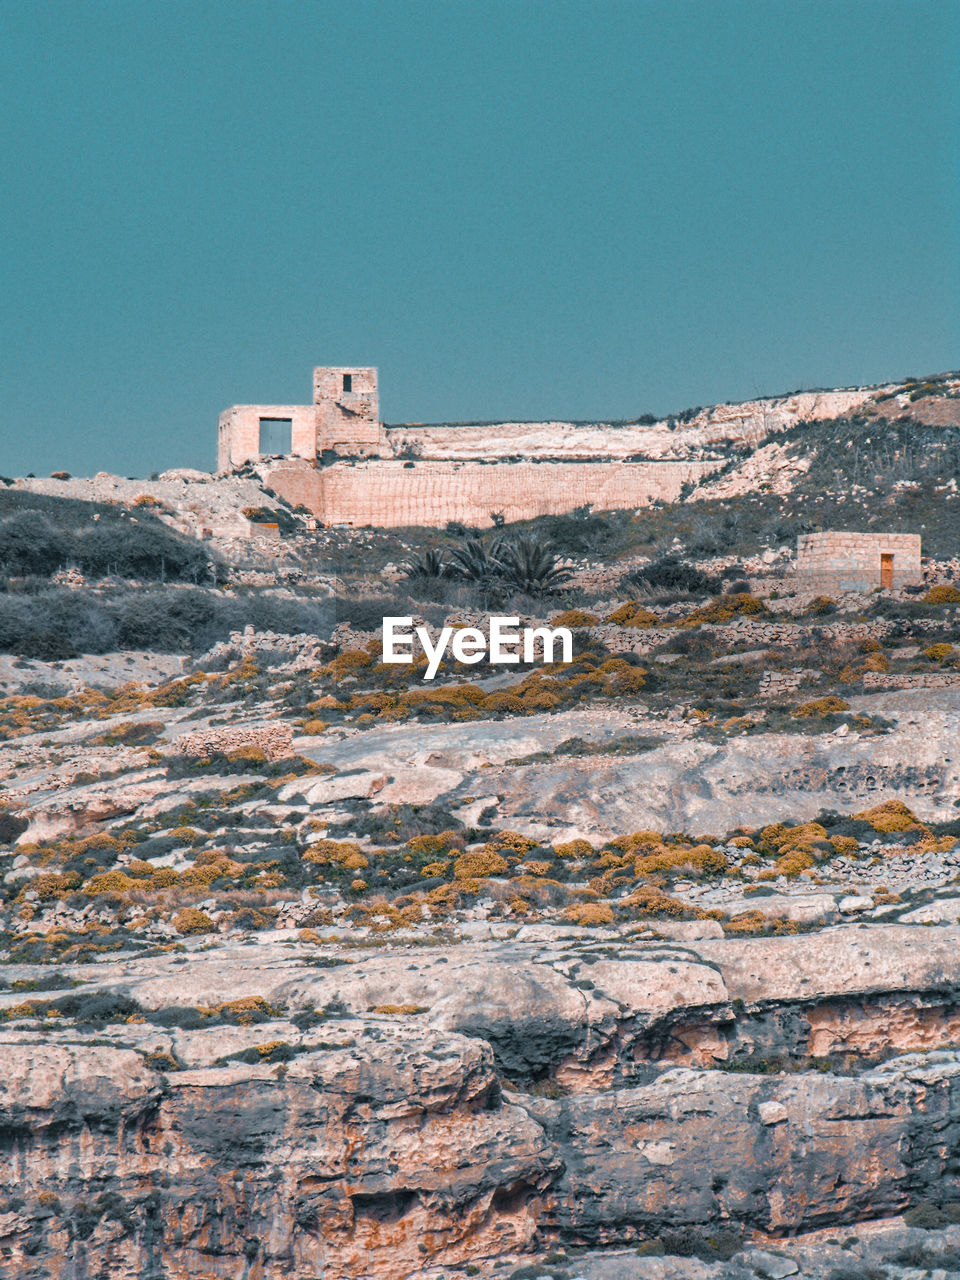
x,y
821,707
737,605
589,914
892,815
480,863
845,845
342,853
503,702
191,920
940,652
574,618
632,614
573,849
945,593
110,882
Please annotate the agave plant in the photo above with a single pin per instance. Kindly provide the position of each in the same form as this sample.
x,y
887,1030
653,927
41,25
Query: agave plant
x,y
480,565
430,565
531,566
476,562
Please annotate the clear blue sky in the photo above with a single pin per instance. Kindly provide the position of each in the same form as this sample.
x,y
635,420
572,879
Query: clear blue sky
x,y
579,209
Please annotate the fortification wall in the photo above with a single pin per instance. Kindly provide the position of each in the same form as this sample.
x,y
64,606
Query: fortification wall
x,y
393,493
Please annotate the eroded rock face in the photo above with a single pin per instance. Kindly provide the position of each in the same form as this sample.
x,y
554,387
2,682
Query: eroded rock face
x,y
338,1163
777,1154
598,1015
884,1249
432,1110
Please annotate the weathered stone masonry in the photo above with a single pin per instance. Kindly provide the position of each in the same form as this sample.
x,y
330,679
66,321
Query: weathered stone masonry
x,y
275,740
388,492
831,562
379,483
383,480
338,460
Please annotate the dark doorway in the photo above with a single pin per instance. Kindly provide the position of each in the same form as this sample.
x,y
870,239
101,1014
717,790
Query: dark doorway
x,y
276,435
348,382
886,571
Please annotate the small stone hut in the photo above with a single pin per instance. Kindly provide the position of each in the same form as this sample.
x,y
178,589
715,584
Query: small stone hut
x,y
841,561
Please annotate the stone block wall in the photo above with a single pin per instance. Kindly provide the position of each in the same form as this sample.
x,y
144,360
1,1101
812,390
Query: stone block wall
x,y
778,683
259,529
274,739
391,493
239,433
433,474
348,409
828,563
300,652
913,680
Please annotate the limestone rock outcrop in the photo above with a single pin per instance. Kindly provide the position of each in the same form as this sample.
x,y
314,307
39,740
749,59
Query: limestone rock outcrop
x,y
403,1113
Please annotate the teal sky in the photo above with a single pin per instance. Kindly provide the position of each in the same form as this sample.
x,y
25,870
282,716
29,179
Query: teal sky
x,y
520,209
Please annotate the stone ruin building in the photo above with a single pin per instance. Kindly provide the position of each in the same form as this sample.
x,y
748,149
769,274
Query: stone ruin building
x,y
828,563
343,419
335,457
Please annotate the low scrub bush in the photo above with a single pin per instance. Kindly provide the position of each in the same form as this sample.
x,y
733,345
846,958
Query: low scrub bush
x,y
671,575
821,605
32,543
574,618
820,707
245,1012
940,653
56,623
478,864
93,1008
892,815
589,914
739,605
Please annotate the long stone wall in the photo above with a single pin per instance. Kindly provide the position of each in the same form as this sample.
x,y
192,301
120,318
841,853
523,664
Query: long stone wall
x,y
776,683
395,493
428,475
912,680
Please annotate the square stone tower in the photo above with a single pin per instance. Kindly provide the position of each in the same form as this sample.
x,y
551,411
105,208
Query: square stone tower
x,y
348,410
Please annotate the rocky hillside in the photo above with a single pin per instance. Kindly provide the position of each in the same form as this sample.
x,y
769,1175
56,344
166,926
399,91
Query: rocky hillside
x,y
889,435
694,434
641,965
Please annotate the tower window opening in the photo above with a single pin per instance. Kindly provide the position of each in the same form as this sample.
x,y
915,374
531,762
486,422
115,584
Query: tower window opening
x,y
348,382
